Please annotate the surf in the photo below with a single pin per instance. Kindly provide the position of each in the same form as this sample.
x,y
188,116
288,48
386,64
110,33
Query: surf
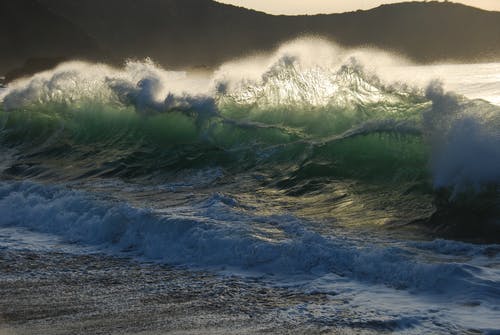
x,y
349,175
295,119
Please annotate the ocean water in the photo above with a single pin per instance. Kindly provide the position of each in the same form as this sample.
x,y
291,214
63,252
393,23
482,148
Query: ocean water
x,y
352,173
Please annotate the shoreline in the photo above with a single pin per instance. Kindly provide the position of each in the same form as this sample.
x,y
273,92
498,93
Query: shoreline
x,y
59,293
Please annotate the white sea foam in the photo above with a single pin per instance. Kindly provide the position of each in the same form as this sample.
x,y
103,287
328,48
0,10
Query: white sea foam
x,y
316,64
142,82
218,232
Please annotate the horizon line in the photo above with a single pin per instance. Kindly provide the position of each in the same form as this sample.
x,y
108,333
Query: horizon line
x,y
379,3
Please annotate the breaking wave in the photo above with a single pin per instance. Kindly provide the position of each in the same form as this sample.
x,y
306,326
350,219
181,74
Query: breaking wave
x,y
324,170
289,115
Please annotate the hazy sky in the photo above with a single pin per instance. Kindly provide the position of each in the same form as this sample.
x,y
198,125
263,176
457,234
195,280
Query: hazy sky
x,y
293,7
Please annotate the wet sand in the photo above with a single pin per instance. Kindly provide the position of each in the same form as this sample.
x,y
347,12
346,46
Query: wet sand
x,y
59,293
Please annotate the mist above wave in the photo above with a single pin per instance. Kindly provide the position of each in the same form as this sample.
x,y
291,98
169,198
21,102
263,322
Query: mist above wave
x,y
292,75
466,140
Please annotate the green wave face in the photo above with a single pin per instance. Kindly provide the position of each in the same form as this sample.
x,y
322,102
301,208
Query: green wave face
x,y
319,137
293,122
355,136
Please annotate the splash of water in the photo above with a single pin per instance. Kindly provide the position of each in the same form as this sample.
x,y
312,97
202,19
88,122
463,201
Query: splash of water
x,y
283,102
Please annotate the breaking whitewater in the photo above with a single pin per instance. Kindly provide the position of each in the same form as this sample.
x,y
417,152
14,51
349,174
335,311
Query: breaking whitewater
x,y
313,190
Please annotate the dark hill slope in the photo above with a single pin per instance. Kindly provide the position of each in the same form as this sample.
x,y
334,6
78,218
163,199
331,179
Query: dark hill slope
x,y
425,32
186,33
176,32
29,29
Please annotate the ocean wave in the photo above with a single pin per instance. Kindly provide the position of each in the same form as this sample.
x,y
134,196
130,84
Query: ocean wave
x,y
282,112
286,102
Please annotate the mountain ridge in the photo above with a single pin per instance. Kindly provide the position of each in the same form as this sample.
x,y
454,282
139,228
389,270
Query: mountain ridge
x,y
204,33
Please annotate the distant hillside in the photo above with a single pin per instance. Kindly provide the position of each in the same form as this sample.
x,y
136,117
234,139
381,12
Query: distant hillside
x,y
29,29
174,32
181,33
423,31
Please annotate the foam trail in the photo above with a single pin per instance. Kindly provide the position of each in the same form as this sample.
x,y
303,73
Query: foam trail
x,y
216,232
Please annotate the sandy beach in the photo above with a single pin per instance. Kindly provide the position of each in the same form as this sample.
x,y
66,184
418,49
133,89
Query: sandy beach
x,y
58,293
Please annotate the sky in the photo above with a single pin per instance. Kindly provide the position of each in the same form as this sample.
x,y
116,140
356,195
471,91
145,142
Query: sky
x,y
295,7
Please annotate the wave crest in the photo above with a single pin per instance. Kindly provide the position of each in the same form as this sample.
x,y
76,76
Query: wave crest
x,y
265,108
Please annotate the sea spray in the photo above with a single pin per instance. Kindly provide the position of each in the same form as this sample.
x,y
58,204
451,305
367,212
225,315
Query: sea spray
x,y
288,115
